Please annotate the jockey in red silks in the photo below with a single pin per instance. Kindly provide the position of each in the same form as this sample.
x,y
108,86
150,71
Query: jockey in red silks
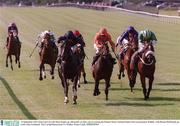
x,y
12,28
101,38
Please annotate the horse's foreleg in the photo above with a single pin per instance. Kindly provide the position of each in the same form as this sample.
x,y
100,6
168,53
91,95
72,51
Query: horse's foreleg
x,y
43,72
52,72
121,70
150,86
40,70
60,75
74,89
11,62
66,100
7,60
84,74
107,81
143,82
96,89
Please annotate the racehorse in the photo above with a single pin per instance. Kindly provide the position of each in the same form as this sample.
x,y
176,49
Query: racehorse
x,y
69,68
102,69
129,50
13,48
146,69
81,54
48,55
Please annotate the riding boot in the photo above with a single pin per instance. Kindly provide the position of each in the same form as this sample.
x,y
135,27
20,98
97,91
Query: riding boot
x,y
95,58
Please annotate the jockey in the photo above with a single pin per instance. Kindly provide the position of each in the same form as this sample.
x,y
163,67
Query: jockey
x,y
71,39
101,38
42,37
145,36
12,28
79,37
125,38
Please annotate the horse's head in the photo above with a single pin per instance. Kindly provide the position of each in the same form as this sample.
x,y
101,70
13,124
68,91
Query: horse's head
x,y
66,51
46,39
148,55
104,51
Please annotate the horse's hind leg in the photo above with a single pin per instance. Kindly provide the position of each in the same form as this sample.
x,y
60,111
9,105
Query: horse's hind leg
x,y
18,60
107,81
150,86
143,82
74,89
96,89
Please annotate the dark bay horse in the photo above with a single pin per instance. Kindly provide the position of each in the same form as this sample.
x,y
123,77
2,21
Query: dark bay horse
x,y
102,69
146,69
13,48
69,68
129,50
48,55
81,54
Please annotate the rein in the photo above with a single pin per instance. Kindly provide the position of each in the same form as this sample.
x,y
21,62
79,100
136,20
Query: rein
x,y
147,53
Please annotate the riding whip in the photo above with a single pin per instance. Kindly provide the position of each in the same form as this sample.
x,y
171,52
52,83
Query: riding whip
x,y
34,49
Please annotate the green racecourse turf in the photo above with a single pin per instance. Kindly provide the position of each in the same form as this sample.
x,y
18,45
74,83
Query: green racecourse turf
x,y
23,96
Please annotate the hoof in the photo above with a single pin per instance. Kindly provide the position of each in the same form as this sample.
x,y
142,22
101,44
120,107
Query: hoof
x,y
19,66
74,102
123,75
119,76
11,68
66,100
106,98
85,82
40,78
45,77
52,77
79,85
96,93
6,65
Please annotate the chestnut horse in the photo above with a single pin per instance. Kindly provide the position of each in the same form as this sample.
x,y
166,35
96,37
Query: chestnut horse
x,y
13,48
146,69
48,55
130,48
69,68
102,69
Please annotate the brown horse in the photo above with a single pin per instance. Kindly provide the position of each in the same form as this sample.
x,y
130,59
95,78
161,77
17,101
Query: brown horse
x,y
13,48
69,68
81,54
146,69
48,55
129,48
102,69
